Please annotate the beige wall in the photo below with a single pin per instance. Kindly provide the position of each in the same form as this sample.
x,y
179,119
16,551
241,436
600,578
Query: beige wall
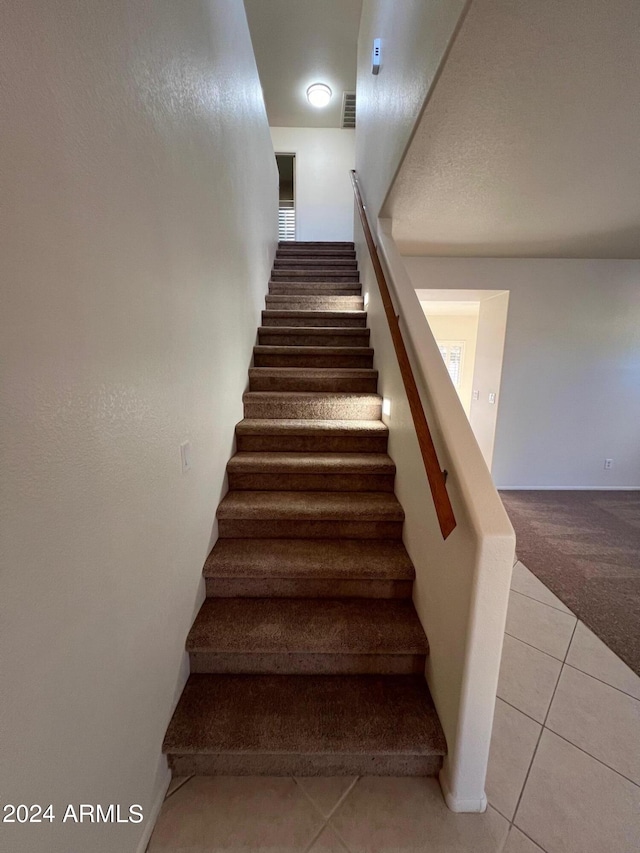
x,y
570,390
462,583
507,160
458,328
139,211
415,36
324,197
487,375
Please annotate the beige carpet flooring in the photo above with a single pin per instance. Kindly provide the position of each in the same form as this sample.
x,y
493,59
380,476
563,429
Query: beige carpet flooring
x,y
585,546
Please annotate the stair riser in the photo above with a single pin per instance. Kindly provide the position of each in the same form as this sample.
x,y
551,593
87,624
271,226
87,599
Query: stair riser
x,y
279,318
311,444
353,362
285,528
315,303
319,275
322,259
290,261
269,338
306,588
312,482
315,245
289,288
309,262
291,251
310,384
299,764
318,409
306,664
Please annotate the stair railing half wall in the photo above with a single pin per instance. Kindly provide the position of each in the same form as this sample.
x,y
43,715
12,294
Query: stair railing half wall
x,y
463,554
436,476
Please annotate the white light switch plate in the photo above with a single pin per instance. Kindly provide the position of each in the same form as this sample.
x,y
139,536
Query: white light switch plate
x,y
185,456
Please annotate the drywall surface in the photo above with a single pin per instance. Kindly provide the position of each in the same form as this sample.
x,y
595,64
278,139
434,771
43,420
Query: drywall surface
x,y
487,374
529,145
462,583
415,36
139,198
457,329
570,392
300,42
324,197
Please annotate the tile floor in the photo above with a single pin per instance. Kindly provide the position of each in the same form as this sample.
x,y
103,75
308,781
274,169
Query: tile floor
x,y
564,770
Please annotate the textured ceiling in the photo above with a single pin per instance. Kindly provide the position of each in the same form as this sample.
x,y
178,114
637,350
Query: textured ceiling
x,y
530,144
299,42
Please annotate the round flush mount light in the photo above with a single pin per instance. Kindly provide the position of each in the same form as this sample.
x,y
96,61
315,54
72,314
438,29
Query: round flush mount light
x,y
319,94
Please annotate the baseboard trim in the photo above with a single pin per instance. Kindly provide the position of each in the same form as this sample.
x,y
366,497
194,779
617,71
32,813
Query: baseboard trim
x,y
153,814
457,804
568,488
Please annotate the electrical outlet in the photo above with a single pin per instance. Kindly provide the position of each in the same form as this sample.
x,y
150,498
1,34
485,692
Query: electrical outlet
x,y
185,456
608,463
492,396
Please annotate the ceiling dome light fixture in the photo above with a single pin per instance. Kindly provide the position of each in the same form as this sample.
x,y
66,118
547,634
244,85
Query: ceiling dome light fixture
x,y
319,94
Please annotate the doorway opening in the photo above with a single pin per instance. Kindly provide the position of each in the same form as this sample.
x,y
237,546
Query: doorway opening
x,y
286,195
470,328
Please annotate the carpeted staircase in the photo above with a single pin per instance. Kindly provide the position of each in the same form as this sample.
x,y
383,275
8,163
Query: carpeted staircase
x,y
307,657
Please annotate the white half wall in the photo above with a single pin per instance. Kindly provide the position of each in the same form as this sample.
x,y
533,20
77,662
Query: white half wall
x,y
462,582
570,393
324,196
139,199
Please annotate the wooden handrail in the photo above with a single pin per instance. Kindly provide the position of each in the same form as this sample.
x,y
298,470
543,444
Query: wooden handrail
x,y
436,477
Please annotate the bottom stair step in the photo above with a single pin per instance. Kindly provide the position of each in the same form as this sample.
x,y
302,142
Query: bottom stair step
x,y
324,725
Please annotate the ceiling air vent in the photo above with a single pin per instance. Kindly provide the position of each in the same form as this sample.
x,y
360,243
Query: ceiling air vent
x,y
349,110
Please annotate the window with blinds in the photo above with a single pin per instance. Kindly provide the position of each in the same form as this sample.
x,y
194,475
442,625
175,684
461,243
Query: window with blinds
x,y
286,221
452,353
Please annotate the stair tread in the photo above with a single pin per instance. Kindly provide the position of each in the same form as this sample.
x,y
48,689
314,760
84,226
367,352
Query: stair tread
x,y
311,395
328,315
330,255
313,299
319,254
310,558
315,288
282,462
296,426
315,331
308,626
316,372
314,506
323,260
313,405
320,714
308,287
323,302
319,243
281,274
264,349
313,379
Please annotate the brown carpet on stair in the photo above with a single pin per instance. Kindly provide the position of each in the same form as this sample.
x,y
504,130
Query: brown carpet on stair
x,y
307,657
585,546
